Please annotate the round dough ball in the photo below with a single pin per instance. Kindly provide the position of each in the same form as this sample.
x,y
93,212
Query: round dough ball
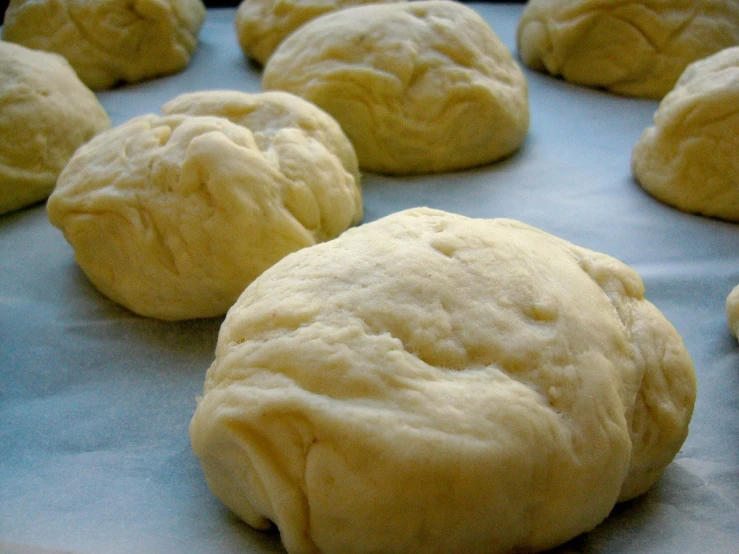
x,y
46,113
732,311
418,87
634,48
262,24
110,41
690,157
173,217
434,383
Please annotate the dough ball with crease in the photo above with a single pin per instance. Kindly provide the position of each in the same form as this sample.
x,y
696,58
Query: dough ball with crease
x,y
110,41
262,24
418,87
634,48
689,159
174,216
732,311
430,382
46,113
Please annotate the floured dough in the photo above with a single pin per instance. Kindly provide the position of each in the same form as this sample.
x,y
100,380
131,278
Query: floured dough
x,y
630,47
418,87
690,157
262,24
433,383
45,114
173,216
110,41
732,311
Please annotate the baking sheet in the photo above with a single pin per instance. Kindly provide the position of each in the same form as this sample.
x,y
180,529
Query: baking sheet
x,y
95,401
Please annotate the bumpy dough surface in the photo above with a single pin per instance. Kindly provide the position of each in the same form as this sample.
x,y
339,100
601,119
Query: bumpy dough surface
x,y
732,311
46,113
690,157
630,47
418,87
434,383
172,217
262,24
110,41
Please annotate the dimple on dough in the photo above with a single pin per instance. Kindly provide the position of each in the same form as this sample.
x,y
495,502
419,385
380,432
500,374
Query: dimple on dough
x,y
110,41
689,159
629,47
46,113
418,87
732,311
262,24
174,216
434,383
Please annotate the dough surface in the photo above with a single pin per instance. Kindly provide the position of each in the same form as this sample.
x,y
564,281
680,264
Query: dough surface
x,y
46,112
418,87
110,41
434,383
732,311
689,159
634,48
262,24
173,216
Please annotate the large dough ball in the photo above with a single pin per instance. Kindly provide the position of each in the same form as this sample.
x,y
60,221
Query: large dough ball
x,y
110,41
434,383
46,113
418,87
262,24
630,47
172,217
690,157
732,311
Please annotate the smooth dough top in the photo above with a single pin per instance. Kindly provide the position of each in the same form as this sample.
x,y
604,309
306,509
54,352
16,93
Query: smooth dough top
x,y
174,216
418,87
732,311
262,24
46,113
434,383
690,157
110,41
630,47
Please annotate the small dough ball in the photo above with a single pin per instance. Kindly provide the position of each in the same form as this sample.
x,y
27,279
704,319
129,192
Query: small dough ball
x,y
46,113
732,311
418,87
110,41
689,159
262,24
173,216
434,383
634,48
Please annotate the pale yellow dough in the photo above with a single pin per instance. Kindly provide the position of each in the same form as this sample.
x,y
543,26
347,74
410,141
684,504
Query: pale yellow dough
x,y
418,87
110,41
46,113
732,311
262,24
433,383
174,216
690,157
630,47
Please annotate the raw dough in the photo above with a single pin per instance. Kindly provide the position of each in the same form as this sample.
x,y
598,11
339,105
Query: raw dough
x,y
630,47
110,41
434,383
732,311
172,217
690,157
262,24
45,114
418,87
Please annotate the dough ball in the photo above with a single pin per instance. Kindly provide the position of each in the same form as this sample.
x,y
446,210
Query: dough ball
x,y
173,216
45,114
732,311
110,41
635,48
418,87
433,383
690,157
262,24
